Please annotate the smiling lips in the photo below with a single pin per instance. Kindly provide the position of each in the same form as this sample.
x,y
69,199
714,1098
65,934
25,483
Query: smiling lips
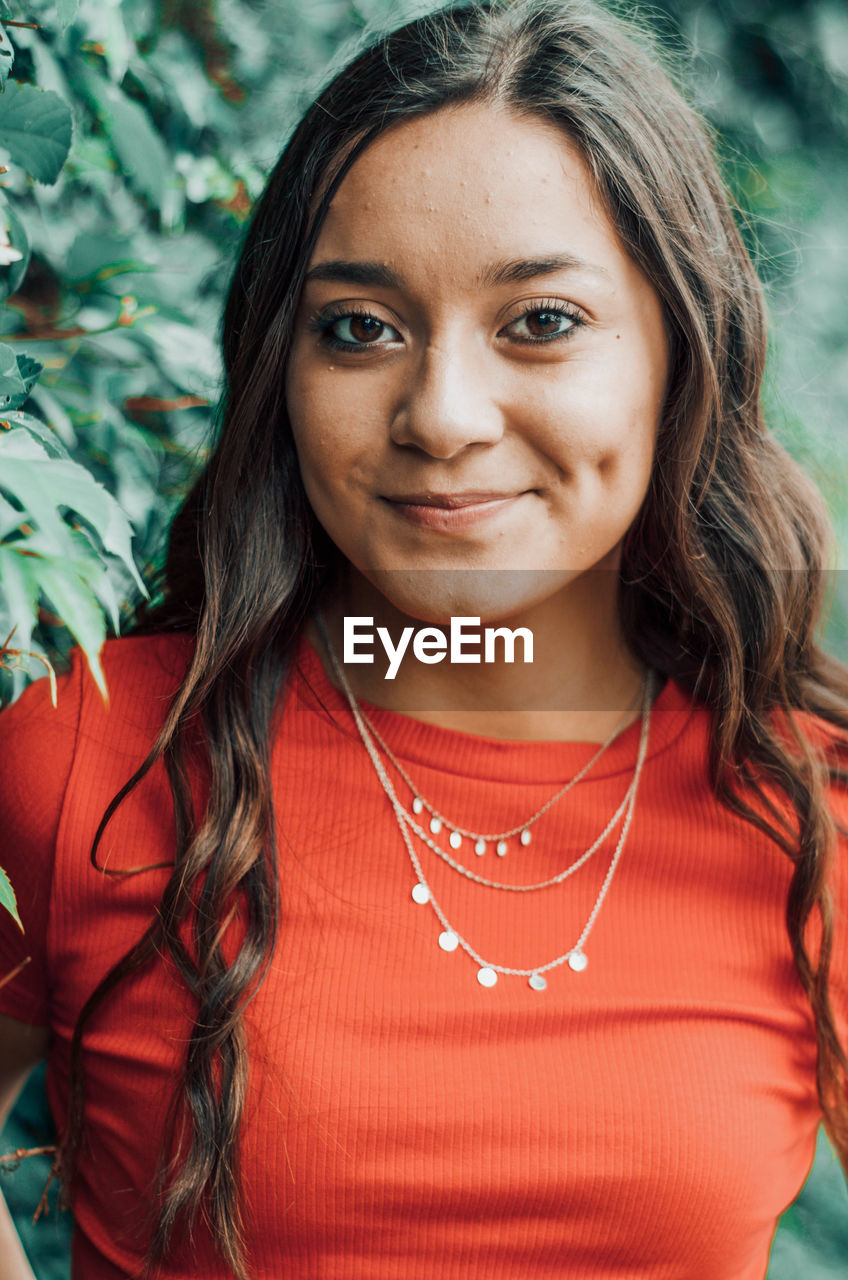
x,y
451,512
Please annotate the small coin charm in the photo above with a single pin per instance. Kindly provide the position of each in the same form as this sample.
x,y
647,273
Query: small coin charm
x,y
525,839
435,825
537,982
455,840
418,805
577,961
480,848
448,940
486,977
500,848
421,893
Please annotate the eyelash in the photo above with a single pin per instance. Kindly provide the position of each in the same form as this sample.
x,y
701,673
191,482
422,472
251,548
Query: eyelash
x,y
322,324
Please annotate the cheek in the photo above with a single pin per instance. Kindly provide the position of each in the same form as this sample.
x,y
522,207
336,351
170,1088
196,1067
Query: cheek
x,y
596,415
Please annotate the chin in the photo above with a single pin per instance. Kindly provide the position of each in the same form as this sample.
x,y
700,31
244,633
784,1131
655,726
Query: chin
x,y
492,595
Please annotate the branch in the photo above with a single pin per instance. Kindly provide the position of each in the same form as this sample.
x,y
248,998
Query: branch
x,y
14,972
23,1152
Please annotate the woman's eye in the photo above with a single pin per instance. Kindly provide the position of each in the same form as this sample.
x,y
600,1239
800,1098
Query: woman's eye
x,y
358,331
542,325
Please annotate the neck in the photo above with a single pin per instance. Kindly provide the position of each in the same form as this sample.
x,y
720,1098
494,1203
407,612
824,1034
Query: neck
x,y
582,684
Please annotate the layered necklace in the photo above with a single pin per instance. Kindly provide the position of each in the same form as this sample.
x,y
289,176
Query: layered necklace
x,y
407,819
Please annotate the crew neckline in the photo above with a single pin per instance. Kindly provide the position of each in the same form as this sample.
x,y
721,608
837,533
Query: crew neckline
x,y
426,745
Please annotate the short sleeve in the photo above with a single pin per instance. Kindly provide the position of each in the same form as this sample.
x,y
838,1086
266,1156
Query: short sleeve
x,y
37,743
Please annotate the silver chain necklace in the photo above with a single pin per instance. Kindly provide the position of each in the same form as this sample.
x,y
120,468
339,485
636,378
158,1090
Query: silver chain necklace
x,y
480,840
449,938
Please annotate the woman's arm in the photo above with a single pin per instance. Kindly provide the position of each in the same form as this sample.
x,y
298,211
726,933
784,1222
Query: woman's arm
x,y
21,1047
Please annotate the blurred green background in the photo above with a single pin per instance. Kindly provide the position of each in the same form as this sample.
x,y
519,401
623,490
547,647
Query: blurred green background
x,y
124,204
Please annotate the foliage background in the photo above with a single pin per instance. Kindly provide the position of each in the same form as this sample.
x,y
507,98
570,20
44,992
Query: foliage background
x,y
124,200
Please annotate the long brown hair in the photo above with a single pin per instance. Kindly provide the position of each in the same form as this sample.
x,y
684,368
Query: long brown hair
x,y
723,571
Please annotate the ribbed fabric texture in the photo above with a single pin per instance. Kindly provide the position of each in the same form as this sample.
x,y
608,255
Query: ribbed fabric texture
x,y
649,1117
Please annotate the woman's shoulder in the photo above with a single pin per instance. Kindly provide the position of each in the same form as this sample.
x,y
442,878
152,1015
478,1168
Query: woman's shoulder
x,y
39,741
138,671
59,767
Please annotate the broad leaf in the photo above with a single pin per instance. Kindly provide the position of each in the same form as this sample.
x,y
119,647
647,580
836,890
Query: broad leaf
x,y
19,239
139,149
35,128
7,56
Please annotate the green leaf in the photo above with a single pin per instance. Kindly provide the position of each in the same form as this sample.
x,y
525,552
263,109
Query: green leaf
x,y
10,519
41,431
7,55
57,482
8,899
72,598
67,11
138,148
25,474
30,371
19,239
12,386
35,128
20,590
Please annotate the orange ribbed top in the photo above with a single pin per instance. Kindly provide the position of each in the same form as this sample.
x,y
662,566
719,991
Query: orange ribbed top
x,y
646,1119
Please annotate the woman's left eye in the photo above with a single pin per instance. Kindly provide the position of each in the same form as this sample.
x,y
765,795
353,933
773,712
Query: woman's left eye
x,y
542,324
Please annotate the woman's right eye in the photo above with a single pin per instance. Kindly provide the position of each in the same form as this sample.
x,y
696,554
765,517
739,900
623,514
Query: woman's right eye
x,y
354,330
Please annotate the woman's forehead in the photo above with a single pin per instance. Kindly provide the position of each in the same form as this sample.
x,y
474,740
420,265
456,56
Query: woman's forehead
x,y
460,194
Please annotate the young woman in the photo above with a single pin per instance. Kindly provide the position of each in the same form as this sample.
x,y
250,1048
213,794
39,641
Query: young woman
x,y
495,968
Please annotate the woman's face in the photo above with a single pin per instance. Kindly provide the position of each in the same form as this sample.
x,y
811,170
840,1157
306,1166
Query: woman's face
x,y
478,367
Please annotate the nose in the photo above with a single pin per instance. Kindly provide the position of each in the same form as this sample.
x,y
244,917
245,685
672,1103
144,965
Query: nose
x,y
447,403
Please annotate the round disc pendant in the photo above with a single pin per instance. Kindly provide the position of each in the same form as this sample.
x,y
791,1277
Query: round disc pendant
x,y
455,840
525,838
577,961
421,893
448,940
480,848
417,805
435,825
537,982
500,848
486,977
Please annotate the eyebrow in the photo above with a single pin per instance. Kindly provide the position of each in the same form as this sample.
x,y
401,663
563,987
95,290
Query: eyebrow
x,y
339,271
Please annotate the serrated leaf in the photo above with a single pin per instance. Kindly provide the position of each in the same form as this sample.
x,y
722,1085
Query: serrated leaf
x,y
73,600
41,431
7,55
57,482
35,128
8,899
25,474
30,370
11,383
19,589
